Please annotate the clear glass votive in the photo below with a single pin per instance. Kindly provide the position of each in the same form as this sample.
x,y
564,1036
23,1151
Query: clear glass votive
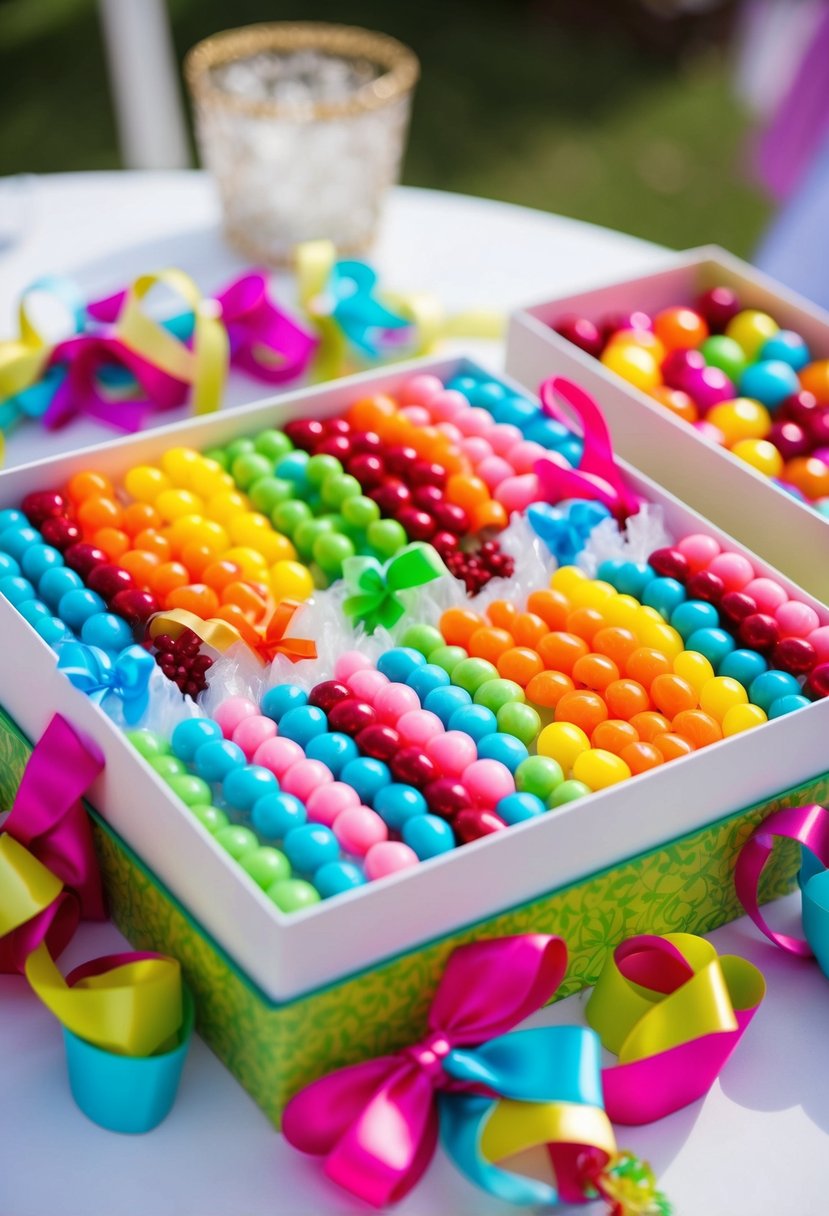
x,y
303,126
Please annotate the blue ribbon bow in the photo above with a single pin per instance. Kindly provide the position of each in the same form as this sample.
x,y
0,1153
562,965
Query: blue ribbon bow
x,y
95,673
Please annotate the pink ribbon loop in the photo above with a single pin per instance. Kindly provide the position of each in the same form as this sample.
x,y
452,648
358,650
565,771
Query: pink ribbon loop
x,y
264,341
376,1123
597,476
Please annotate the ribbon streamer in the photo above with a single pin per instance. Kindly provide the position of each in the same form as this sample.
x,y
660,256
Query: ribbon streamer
x,y
375,588
809,826
597,476
275,642
95,673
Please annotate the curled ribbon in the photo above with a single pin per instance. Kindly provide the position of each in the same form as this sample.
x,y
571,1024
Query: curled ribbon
x,y
375,588
126,1004
809,826
126,677
274,642
218,634
489,1092
673,1011
597,476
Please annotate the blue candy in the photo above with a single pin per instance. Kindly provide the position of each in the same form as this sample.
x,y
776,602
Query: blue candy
x,y
17,539
275,815
9,518
281,698
106,631
9,566
189,735
743,665
770,382
547,431
715,644
303,724
515,808
398,663
787,347
34,611
55,583
444,701
771,685
428,836
310,846
506,749
367,776
337,877
216,758
16,590
51,630
485,394
474,720
514,411
787,704
333,749
687,618
244,786
427,679
38,559
77,606
396,803
665,595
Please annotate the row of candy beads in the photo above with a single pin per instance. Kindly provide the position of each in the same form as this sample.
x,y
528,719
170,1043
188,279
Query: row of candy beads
x,y
514,410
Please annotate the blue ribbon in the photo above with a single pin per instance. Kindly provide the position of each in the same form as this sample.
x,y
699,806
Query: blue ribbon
x,y
357,311
95,673
813,879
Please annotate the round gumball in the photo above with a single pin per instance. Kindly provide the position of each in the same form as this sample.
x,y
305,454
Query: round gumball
x,y
680,328
741,418
770,382
718,306
814,378
762,456
678,402
634,364
750,329
726,354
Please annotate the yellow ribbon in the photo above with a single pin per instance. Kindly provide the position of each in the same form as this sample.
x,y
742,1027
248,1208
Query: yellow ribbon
x,y
514,1127
214,632
23,359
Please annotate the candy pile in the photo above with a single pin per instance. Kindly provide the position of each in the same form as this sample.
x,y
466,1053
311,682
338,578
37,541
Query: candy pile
x,y
733,374
472,717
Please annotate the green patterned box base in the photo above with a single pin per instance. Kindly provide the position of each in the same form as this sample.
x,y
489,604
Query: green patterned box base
x,y
272,1050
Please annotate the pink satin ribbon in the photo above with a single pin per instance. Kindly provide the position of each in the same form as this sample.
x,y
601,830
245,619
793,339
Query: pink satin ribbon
x,y
597,476
49,820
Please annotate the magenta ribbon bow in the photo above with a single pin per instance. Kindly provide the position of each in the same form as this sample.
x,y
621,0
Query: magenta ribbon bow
x,y
376,1123
49,820
597,476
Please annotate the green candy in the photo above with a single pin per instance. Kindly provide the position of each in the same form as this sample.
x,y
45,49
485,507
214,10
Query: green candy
x,y
338,489
266,866
470,674
539,775
424,638
148,743
190,789
250,467
292,894
167,766
447,657
288,516
568,791
210,817
238,448
268,492
236,840
360,511
495,694
726,354
330,551
320,468
309,532
387,536
273,444
219,455
519,720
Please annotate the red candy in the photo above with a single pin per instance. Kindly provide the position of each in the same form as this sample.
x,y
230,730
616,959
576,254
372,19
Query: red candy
x,y
351,716
427,473
60,532
368,469
136,607
581,333
677,366
304,433
378,742
817,684
718,306
759,631
43,505
706,586
670,563
399,459
419,525
794,655
328,694
471,825
447,797
83,558
108,580
449,517
392,496
736,606
413,767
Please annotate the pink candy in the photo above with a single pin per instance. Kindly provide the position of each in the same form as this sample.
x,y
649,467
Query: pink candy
x,y
350,662
735,570
699,550
820,640
504,436
517,493
417,415
446,405
418,726
423,389
252,732
475,449
452,752
394,701
388,857
359,828
494,470
278,755
327,802
231,712
474,421
523,455
367,684
796,620
487,781
302,778
767,594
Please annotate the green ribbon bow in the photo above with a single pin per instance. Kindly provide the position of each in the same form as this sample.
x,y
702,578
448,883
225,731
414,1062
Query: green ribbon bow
x,y
375,588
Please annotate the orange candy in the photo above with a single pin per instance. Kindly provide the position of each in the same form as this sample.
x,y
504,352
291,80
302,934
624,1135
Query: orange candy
x,y
614,735
672,746
528,629
89,484
502,614
586,622
676,401
547,688
489,515
141,564
626,698
244,596
234,615
551,606
520,664
364,415
815,379
197,557
168,577
153,542
458,624
595,671
671,694
113,541
197,598
639,757
467,491
617,643
809,474
560,650
679,328
646,664
649,724
582,708
219,573
698,727
96,513
138,516
489,643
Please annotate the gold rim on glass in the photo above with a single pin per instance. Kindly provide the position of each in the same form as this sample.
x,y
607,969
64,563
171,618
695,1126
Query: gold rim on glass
x,y
400,66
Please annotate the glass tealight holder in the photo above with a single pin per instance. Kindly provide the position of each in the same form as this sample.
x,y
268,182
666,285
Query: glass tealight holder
x,y
303,126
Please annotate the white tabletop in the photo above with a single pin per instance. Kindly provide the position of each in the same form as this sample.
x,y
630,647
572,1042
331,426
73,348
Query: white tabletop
x,y
754,1145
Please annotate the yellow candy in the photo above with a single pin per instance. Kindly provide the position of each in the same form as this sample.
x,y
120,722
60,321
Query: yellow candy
x,y
252,564
172,504
563,742
761,455
225,505
750,329
694,668
742,717
291,580
644,338
599,769
742,418
633,363
590,594
208,478
255,532
660,636
199,530
144,483
720,695
178,464
567,578
621,611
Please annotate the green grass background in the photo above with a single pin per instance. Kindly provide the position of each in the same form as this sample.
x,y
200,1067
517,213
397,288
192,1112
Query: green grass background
x,y
517,101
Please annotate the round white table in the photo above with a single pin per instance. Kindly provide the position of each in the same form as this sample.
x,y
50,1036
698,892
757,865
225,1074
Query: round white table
x,y
755,1145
